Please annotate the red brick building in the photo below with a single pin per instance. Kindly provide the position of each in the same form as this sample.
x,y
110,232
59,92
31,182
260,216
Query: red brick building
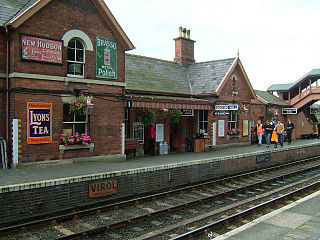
x,y
215,97
51,53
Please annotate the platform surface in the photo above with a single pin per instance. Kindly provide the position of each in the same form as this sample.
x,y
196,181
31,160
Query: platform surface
x,y
36,173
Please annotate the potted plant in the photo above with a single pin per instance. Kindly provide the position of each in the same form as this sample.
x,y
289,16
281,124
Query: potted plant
x,y
81,105
233,133
174,115
148,116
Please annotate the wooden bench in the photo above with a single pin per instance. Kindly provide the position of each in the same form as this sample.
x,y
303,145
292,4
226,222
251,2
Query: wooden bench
x,y
132,145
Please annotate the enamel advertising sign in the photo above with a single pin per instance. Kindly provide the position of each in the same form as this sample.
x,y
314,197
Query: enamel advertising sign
x,y
41,49
39,128
106,58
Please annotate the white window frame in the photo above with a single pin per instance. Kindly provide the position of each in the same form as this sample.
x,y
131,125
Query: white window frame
x,y
74,123
202,130
138,132
75,61
232,120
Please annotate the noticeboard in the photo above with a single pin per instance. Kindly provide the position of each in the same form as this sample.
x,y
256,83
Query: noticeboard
x,y
39,126
106,58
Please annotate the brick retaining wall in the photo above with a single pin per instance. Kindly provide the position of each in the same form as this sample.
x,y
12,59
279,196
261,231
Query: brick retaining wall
x,y
26,200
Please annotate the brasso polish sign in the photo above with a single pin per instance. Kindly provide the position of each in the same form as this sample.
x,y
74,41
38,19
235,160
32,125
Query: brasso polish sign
x,y
41,49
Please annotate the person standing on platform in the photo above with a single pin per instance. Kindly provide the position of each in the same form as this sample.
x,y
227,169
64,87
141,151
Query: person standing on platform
x,y
279,129
290,127
152,139
259,129
268,130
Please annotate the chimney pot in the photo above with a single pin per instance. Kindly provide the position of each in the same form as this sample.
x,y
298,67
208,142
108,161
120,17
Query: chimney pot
x,y
188,33
184,32
180,31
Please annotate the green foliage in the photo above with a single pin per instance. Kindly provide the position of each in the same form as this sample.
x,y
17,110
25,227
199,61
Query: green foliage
x,y
148,116
174,115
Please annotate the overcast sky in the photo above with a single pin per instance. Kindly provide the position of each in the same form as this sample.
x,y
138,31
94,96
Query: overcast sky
x,y
278,40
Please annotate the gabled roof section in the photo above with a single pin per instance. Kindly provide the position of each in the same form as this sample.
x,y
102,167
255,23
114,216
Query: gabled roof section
x,y
268,98
206,77
16,12
288,86
155,75
227,76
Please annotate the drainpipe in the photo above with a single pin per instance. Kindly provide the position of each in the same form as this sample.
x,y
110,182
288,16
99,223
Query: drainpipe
x,y
7,84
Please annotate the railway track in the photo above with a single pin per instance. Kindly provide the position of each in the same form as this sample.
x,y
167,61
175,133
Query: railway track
x,y
177,214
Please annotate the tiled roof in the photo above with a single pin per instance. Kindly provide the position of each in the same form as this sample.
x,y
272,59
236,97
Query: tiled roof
x,y
270,98
12,8
150,74
288,86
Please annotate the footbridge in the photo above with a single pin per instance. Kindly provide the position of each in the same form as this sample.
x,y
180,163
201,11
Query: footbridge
x,y
302,93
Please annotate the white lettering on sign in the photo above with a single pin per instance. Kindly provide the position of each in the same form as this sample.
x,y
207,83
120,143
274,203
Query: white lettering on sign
x,y
226,107
107,43
106,73
35,122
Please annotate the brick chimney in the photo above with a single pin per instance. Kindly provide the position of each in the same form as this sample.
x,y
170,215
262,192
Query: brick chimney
x,y
184,48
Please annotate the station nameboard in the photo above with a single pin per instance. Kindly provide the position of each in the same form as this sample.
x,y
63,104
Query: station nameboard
x,y
230,107
41,49
186,112
221,113
314,110
289,110
39,128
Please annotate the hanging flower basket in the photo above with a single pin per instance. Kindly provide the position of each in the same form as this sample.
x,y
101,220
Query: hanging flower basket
x,y
78,106
148,116
174,115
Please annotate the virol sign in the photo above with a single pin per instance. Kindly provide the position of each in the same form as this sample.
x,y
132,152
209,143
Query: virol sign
x,y
101,189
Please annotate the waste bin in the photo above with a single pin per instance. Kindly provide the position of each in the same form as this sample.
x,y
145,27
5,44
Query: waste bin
x,y
165,148
189,142
161,148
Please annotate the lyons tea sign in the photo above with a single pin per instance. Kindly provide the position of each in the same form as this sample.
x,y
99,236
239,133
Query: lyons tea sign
x,y
106,58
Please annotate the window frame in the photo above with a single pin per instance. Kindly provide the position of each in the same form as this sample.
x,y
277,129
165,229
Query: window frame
x,y
232,120
75,122
83,49
140,127
203,121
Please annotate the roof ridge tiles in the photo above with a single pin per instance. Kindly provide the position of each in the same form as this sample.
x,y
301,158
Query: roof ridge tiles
x,y
152,58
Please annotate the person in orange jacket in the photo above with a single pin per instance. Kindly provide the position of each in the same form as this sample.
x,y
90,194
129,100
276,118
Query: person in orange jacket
x,y
259,129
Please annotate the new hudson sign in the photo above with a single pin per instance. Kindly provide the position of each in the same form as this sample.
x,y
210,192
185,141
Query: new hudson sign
x,y
101,189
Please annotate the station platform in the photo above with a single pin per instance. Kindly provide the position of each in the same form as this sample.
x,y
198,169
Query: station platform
x,y
48,172
299,220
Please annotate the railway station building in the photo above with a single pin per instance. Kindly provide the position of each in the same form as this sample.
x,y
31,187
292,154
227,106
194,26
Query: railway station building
x,y
70,90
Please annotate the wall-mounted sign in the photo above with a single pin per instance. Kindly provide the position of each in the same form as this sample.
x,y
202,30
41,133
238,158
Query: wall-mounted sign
x,y
106,58
221,128
230,107
186,112
39,128
289,110
101,189
221,113
314,110
41,49
159,132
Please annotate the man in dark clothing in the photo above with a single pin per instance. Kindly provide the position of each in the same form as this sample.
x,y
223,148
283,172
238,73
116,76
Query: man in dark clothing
x,y
290,127
268,130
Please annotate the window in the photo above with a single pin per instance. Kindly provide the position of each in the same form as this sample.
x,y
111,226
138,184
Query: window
x,y
75,57
138,132
232,120
203,121
73,123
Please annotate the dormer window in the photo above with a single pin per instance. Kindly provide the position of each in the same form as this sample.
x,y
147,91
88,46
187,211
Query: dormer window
x,y
75,57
